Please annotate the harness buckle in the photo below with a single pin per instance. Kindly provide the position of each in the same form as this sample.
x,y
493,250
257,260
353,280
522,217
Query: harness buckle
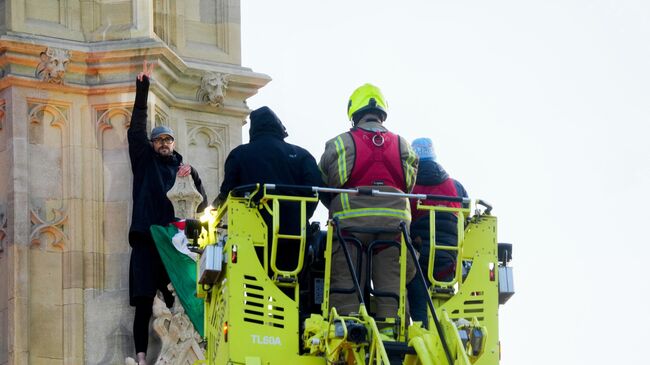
x,y
378,140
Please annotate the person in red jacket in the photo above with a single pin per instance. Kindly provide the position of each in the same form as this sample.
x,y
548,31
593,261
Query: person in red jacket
x,y
432,179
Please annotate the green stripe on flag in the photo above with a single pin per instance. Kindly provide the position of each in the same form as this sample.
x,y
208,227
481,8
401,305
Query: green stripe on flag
x,y
182,272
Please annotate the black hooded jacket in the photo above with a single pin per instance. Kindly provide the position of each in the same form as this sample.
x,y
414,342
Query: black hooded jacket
x,y
153,174
268,159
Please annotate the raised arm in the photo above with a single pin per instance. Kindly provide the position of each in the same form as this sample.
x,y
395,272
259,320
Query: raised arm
x,y
139,145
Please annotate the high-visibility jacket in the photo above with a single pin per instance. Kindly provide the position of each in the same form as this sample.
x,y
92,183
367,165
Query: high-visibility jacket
x,y
346,164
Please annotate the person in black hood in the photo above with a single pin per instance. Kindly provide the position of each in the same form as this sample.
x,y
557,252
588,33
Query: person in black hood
x,y
155,164
432,179
268,159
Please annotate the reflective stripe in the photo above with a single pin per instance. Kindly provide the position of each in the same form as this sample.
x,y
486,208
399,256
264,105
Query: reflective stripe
x,y
376,212
340,151
345,201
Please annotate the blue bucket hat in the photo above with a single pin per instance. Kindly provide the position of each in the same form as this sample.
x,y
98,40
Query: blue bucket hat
x,y
156,132
423,147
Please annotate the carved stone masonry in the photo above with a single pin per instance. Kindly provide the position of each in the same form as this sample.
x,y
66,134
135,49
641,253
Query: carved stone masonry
x,y
52,66
184,197
180,341
53,229
213,89
161,118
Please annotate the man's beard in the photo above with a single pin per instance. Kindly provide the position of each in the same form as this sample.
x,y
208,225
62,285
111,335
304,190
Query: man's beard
x,y
165,151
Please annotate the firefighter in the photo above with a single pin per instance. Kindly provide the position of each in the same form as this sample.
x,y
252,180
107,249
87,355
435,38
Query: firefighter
x,y
368,155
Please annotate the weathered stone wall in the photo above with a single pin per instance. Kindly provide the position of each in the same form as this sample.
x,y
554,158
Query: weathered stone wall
x,y
67,72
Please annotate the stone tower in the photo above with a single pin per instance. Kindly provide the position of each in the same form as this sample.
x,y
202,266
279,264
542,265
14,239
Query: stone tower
x,y
67,71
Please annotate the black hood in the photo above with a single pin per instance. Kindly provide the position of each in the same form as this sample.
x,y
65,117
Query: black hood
x,y
431,173
265,122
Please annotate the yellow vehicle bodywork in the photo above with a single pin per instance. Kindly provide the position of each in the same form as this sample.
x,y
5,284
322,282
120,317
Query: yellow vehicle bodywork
x,y
253,309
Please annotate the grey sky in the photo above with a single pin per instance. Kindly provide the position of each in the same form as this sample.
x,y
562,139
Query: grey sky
x,y
541,108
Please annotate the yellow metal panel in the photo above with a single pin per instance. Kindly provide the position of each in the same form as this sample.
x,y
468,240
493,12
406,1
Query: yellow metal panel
x,y
251,320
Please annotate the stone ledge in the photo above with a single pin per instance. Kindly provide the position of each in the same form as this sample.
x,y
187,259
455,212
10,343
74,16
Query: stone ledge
x,y
111,67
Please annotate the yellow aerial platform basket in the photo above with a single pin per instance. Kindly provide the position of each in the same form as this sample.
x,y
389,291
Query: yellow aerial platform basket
x,y
256,313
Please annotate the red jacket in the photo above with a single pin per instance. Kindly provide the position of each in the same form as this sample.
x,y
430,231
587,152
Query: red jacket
x,y
445,188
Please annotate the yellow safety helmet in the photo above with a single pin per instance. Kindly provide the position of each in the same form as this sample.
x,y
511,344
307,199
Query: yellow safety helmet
x,y
367,98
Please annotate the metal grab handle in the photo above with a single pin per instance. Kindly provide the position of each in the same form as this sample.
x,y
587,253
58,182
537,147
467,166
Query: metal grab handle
x,y
488,206
360,191
248,188
367,191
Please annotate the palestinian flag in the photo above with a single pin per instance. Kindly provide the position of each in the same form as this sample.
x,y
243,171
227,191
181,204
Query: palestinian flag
x,y
181,268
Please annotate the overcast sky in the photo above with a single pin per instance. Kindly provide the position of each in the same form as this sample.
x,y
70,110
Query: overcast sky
x,y
540,108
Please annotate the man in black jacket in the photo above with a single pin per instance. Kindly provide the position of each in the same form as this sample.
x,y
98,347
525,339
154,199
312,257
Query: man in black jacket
x,y
155,165
268,159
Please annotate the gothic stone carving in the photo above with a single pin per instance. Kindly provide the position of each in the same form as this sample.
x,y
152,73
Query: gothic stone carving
x,y
161,118
207,146
213,89
184,197
180,341
52,229
52,66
